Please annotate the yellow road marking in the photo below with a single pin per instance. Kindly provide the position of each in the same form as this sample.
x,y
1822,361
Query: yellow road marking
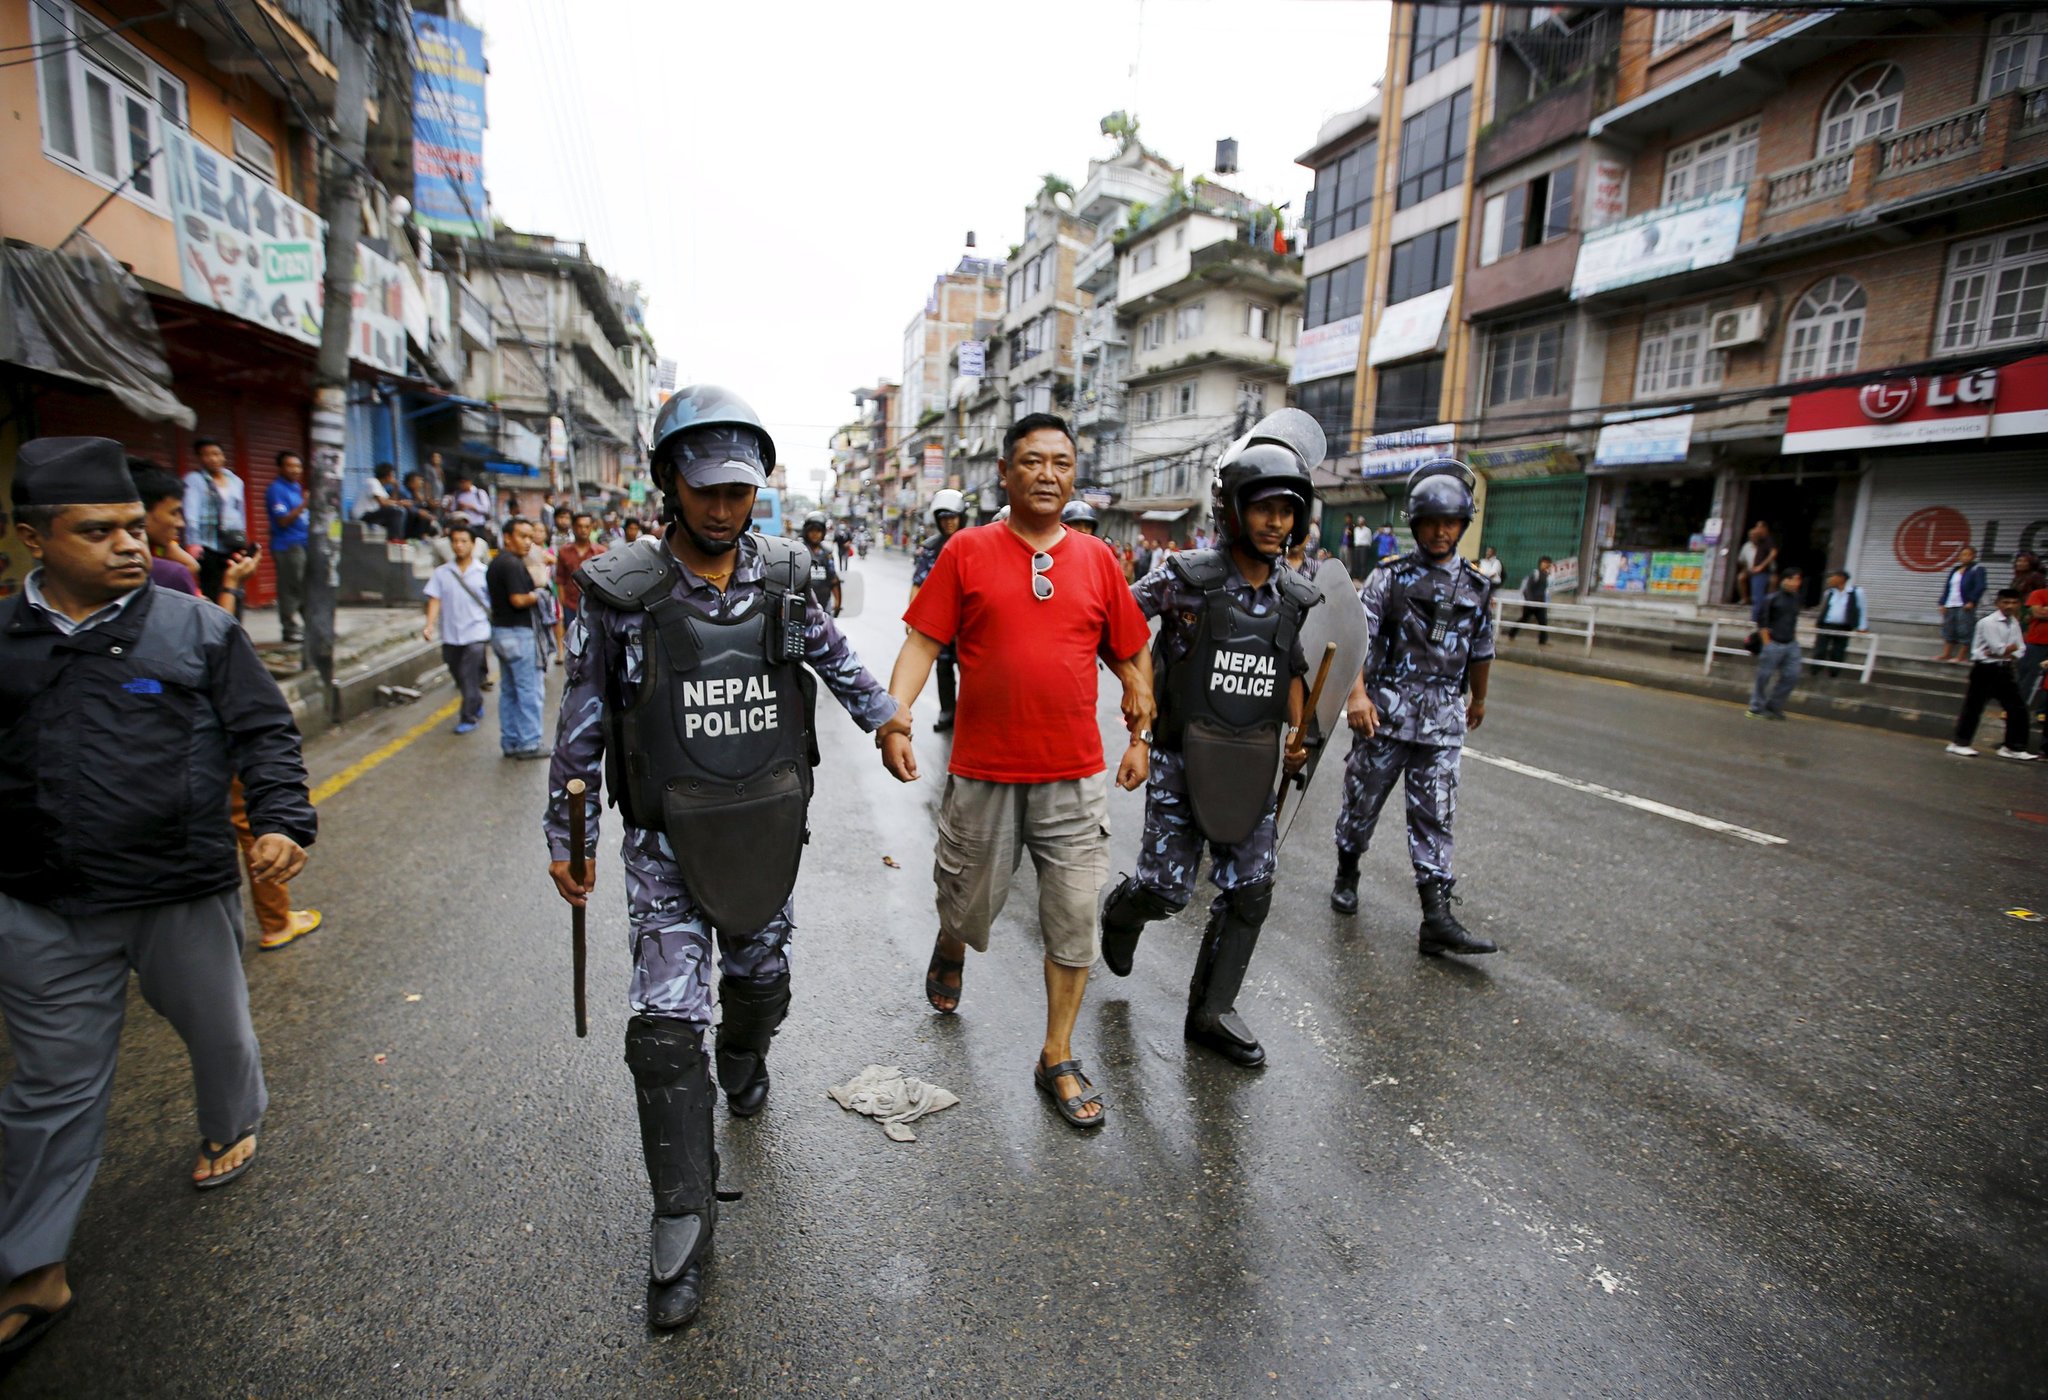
x,y
371,760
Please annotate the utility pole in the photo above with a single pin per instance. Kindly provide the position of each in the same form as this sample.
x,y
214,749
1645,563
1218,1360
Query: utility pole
x,y
341,205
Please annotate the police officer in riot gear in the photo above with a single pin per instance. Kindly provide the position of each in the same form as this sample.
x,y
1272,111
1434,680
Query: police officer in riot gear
x,y
687,692
1301,557
824,570
1229,675
1431,644
1077,514
947,513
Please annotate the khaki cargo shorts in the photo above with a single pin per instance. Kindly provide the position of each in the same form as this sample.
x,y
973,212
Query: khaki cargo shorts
x,y
984,830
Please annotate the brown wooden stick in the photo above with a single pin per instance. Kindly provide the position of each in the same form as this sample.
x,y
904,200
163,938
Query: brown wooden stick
x,y
576,790
1315,695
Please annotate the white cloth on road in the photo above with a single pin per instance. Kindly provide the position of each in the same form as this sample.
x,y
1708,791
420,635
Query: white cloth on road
x,y
892,1098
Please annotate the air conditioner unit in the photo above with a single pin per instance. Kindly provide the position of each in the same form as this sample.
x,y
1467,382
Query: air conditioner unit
x,y
1742,326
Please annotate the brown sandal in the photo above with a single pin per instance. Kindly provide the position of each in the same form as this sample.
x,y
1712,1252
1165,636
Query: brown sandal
x,y
1047,1079
935,989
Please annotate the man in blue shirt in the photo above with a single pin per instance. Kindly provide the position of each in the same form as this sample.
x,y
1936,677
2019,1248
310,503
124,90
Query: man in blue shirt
x,y
285,504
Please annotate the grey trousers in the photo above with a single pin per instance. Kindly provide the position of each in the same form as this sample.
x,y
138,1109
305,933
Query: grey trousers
x,y
63,993
290,565
466,664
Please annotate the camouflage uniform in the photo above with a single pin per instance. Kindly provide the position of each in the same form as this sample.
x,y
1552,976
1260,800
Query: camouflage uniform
x,y
921,565
1170,852
1419,688
670,938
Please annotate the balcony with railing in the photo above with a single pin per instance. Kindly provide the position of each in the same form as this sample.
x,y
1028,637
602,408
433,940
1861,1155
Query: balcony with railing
x,y
1984,141
473,316
1094,408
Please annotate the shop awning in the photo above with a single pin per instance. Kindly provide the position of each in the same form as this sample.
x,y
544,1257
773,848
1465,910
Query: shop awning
x,y
1164,515
78,314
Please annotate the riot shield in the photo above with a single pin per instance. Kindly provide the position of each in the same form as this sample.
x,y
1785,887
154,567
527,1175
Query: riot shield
x,y
1291,428
1339,618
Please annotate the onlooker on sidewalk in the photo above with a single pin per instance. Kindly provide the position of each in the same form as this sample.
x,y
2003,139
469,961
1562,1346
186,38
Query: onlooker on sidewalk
x,y
213,497
2033,676
1384,545
285,501
515,640
1758,557
570,557
1994,656
384,507
471,503
2027,575
115,853
1536,601
1028,605
1960,593
1490,565
1777,661
163,521
1842,611
459,608
419,519
565,529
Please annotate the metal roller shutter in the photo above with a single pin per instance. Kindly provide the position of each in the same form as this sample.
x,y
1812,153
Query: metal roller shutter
x,y
1525,520
1920,513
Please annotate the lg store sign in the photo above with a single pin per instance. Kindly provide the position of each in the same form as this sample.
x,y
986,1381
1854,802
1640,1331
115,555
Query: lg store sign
x,y
1904,412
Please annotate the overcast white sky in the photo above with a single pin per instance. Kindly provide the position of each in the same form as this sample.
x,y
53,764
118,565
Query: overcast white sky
x,y
786,179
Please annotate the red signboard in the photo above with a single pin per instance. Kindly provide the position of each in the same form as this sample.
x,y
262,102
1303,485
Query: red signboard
x,y
1907,412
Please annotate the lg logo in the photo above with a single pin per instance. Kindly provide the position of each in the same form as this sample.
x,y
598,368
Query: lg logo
x,y
1929,540
1887,399
1890,399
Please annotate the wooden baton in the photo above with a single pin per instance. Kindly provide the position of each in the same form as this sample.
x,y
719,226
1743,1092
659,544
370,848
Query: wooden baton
x,y
1315,695
576,790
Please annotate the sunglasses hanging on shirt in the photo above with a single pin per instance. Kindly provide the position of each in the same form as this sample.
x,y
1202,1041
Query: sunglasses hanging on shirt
x,y
1041,586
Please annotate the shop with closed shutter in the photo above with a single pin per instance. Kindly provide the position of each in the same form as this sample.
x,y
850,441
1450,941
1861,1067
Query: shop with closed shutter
x,y
1917,511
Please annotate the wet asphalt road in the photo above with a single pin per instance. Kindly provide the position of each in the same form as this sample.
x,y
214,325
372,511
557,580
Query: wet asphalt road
x,y
1723,1119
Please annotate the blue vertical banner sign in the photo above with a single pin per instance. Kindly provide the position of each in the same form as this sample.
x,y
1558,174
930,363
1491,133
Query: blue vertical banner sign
x,y
448,126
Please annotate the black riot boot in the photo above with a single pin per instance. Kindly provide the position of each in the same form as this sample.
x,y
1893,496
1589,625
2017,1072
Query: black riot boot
x,y
672,1081
1125,913
1233,932
946,681
1441,932
1344,893
752,1012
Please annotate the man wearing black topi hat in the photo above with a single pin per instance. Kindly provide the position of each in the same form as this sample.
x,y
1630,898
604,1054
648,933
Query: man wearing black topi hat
x,y
125,712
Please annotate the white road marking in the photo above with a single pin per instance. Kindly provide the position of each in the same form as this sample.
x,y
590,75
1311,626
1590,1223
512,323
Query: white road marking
x,y
1629,799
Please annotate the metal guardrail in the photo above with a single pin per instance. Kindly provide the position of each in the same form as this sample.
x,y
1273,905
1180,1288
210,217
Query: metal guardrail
x,y
1500,623
1863,668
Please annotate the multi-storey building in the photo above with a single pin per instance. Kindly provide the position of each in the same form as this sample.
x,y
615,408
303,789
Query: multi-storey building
x,y
971,292
1041,306
1210,312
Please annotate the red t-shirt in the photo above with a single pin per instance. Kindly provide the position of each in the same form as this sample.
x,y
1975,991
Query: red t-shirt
x,y
1026,708
2037,609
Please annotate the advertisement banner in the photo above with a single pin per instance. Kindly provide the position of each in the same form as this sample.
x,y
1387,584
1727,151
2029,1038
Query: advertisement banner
x,y
1677,574
1677,238
1607,195
377,329
243,248
1397,454
1631,440
934,463
973,359
1321,351
1412,327
448,126
1907,412
1625,570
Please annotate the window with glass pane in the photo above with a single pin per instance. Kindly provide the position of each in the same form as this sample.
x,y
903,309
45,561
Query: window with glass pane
x,y
1422,264
1187,321
1523,363
2018,56
1343,193
1825,331
1863,107
1328,401
1258,322
1719,160
1557,218
1997,290
1433,149
1184,398
1409,396
60,121
1251,397
1673,358
1336,294
1677,26
1442,32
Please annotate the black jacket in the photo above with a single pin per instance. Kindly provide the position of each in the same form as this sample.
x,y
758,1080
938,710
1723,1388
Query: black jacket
x,y
117,747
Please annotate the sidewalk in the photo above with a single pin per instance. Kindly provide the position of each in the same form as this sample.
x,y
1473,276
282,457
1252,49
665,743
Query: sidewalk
x,y
373,647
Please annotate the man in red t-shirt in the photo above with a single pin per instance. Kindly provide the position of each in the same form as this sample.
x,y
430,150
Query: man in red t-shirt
x,y
1027,606
570,557
2034,657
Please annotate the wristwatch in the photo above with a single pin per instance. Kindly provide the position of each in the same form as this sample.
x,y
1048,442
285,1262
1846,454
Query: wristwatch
x,y
1143,736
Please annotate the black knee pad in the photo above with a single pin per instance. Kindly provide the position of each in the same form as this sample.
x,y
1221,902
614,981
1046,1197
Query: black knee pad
x,y
1251,903
661,1052
753,1011
1143,901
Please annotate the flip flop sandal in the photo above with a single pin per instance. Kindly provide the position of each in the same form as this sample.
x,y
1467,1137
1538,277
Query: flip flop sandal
x,y
934,988
221,1179
39,1321
1070,1108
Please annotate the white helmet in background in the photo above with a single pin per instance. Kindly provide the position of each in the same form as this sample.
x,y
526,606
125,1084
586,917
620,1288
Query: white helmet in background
x,y
946,502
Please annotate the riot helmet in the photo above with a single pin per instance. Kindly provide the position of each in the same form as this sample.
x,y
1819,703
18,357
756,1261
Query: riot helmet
x,y
946,502
816,520
1077,514
708,437
1441,487
1254,471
